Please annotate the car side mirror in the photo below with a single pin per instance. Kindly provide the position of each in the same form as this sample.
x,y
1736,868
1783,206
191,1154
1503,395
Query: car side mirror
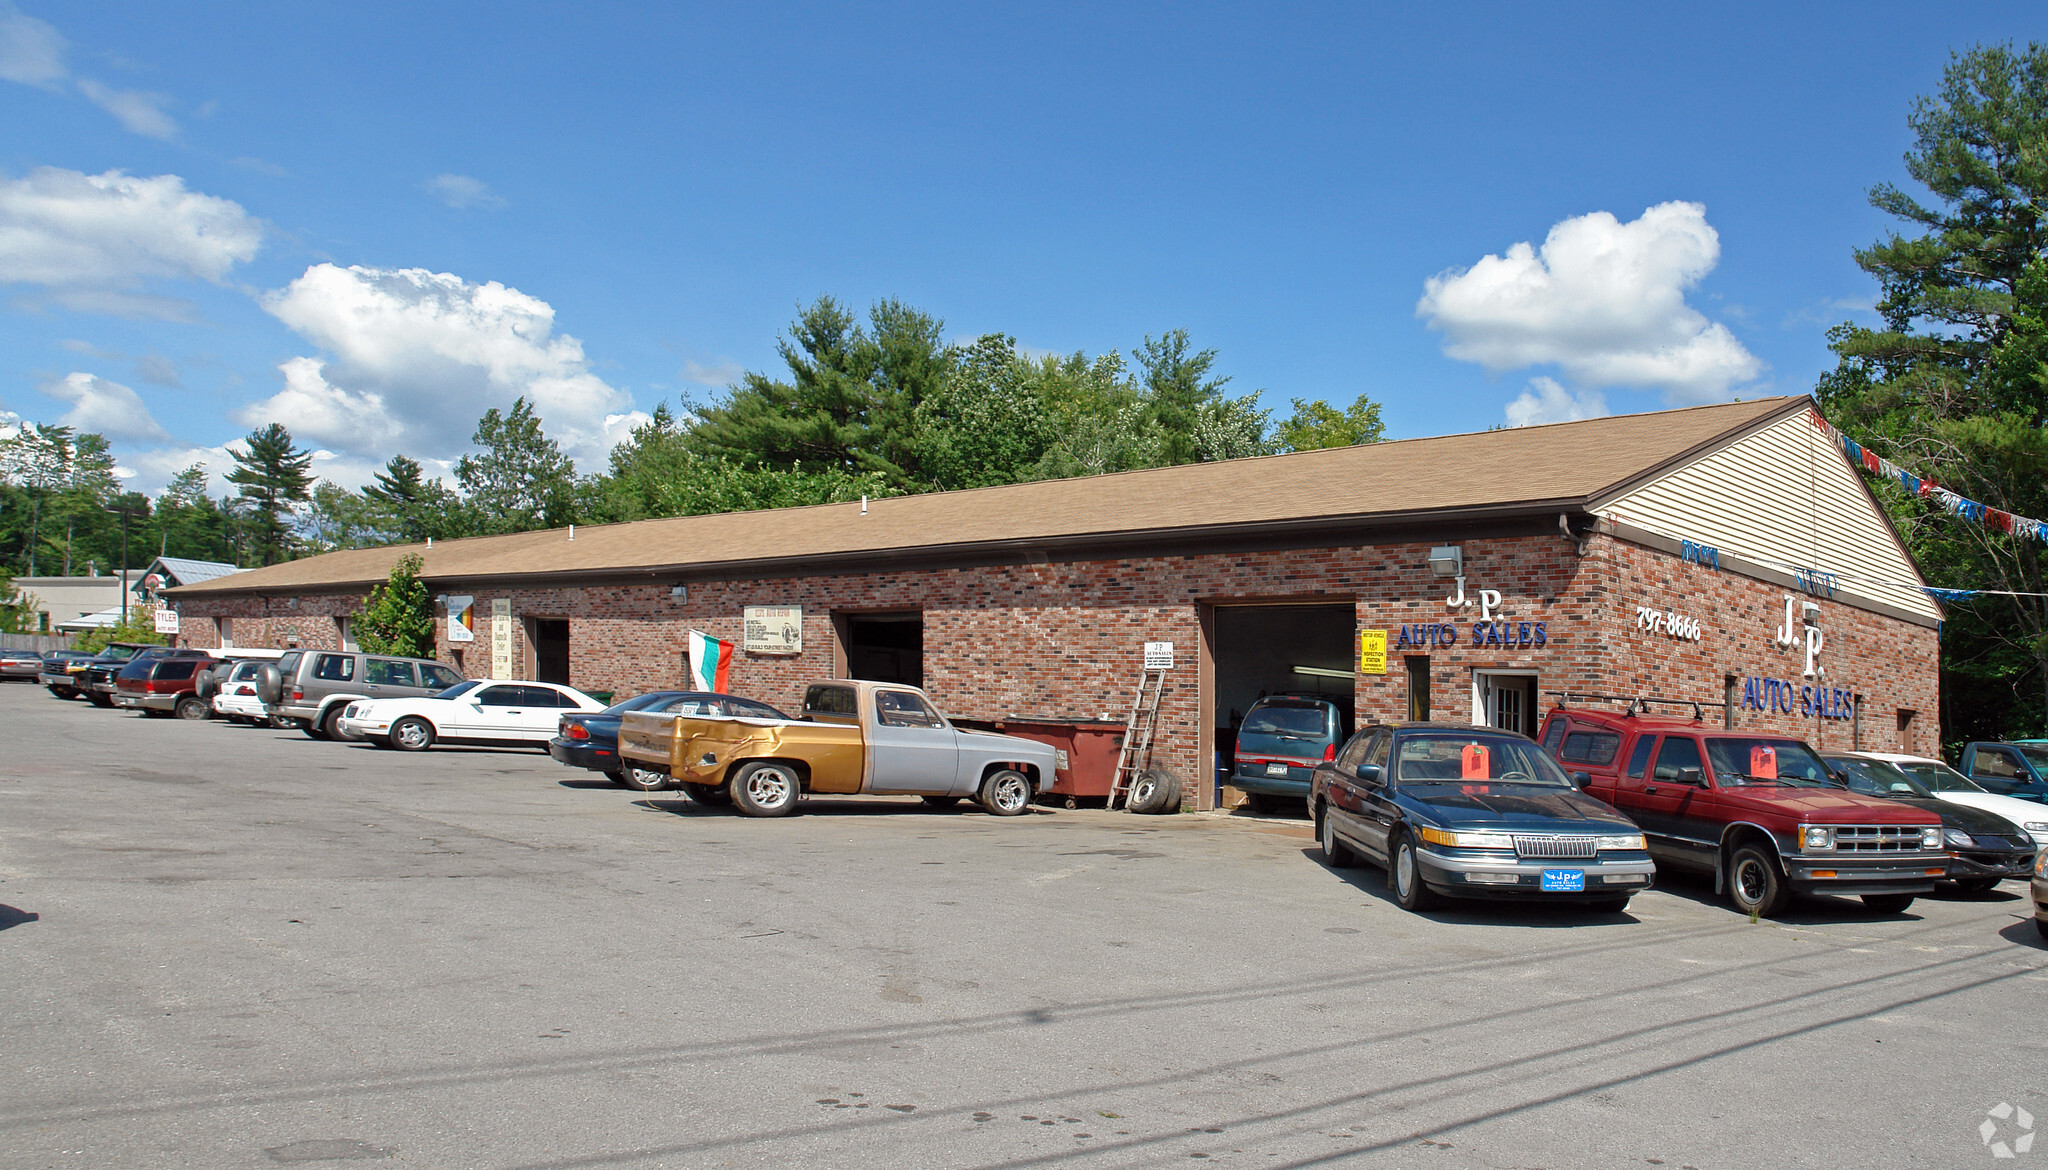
x,y
1370,773
1692,776
1581,779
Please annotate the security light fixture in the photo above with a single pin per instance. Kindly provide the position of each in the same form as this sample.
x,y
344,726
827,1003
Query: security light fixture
x,y
1447,560
679,593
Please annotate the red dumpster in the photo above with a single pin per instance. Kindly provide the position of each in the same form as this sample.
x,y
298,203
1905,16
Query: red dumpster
x,y
1087,750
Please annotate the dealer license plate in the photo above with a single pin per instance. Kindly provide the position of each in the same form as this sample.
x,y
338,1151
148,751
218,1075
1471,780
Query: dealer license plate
x,y
1276,769
1564,881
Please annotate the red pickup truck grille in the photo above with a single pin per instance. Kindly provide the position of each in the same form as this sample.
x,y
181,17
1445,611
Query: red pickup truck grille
x,y
1556,846
1878,839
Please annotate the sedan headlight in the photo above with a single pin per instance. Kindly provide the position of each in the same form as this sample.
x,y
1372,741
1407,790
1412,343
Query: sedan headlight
x,y
2036,826
1958,838
1630,841
1467,840
1817,837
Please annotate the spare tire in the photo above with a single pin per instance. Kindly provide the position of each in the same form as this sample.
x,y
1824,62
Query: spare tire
x,y
270,685
1156,790
207,685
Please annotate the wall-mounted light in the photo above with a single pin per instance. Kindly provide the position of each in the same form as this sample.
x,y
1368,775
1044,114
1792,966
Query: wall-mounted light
x,y
1447,560
679,593
1325,672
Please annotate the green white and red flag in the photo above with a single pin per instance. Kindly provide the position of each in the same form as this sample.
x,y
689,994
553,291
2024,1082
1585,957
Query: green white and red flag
x,y
710,663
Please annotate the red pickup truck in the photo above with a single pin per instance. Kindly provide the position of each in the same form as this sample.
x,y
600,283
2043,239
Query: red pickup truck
x,y
1756,810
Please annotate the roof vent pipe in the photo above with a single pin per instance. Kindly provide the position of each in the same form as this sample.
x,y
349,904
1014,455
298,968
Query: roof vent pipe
x,y
430,542
863,505
572,532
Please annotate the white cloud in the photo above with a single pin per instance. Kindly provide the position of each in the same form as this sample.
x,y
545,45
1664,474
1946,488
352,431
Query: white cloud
x,y
154,468
462,192
1603,300
1547,402
141,113
107,407
92,240
418,356
31,50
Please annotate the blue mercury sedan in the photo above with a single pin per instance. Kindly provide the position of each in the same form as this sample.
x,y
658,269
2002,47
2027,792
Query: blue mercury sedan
x,y
590,739
1454,811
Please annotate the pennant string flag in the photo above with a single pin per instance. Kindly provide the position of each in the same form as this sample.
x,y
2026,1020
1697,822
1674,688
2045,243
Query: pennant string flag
x,y
1927,489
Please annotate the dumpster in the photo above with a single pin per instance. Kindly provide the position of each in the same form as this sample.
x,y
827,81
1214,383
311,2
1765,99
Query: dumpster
x,y
1087,751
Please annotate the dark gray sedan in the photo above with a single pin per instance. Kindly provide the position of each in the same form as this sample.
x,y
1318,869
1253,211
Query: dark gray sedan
x,y
21,664
1453,811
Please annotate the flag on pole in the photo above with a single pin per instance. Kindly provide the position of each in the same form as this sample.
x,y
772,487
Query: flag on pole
x,y
710,663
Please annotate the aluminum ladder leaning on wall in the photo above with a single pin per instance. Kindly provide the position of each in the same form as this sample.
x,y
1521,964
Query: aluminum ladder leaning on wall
x,y
1136,752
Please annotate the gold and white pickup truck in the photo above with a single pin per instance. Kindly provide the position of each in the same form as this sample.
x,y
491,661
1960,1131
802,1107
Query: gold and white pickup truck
x,y
869,738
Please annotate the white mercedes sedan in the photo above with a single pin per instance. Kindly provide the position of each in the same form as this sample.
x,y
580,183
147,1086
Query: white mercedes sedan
x,y
488,711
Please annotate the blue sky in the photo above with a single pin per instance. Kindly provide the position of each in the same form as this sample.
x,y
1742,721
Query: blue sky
x,y
371,221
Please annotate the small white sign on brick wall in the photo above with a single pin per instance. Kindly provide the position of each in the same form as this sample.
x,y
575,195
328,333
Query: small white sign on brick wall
x,y
1158,656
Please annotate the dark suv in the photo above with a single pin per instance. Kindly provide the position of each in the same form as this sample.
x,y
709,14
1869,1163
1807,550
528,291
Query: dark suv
x,y
101,671
159,685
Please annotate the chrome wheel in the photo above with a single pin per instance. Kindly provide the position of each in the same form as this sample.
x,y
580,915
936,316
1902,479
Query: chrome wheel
x,y
412,735
1752,881
1007,793
766,790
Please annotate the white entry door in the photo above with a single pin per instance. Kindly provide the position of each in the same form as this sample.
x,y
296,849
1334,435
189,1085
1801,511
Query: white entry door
x,y
1505,699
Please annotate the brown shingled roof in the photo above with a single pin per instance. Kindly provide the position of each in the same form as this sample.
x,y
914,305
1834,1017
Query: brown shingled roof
x,y
1523,470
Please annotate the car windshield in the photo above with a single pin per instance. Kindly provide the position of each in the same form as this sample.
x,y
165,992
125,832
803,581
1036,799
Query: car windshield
x,y
1938,777
1452,758
1786,762
1877,778
458,690
1287,720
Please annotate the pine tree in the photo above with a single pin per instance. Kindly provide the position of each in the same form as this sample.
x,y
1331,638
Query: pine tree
x,y
273,474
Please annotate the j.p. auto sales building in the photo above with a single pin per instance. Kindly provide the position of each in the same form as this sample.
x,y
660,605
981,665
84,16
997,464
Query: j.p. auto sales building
x,y
1723,553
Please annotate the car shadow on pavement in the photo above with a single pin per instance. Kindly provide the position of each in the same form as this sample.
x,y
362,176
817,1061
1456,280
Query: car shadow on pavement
x,y
604,784
9,916
1994,895
1806,910
874,806
2026,933
1372,880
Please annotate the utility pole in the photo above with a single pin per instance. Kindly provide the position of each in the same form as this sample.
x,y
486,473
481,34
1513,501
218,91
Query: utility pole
x,y
125,513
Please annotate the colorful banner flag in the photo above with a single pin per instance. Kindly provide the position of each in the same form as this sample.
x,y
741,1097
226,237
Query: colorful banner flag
x,y
710,663
1955,505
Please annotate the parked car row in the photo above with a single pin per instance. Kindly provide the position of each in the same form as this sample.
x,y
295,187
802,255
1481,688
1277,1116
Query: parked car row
x,y
1589,813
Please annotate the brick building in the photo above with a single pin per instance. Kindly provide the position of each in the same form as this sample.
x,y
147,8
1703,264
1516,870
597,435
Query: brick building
x,y
1723,553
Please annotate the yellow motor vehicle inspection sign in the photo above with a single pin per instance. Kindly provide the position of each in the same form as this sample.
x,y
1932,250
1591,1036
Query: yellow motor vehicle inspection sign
x,y
1372,652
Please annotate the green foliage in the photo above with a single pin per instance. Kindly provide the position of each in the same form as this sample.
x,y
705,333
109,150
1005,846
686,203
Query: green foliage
x,y
1316,425
273,475
17,609
140,627
407,506
520,481
398,616
1953,387
987,423
337,518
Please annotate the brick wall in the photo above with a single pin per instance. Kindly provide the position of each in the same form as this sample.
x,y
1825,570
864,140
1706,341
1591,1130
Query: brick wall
x,y
1065,639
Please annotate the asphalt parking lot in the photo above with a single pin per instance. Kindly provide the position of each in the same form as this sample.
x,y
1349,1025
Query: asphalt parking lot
x,y
226,947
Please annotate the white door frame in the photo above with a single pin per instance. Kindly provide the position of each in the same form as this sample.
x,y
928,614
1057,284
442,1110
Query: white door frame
x,y
1482,695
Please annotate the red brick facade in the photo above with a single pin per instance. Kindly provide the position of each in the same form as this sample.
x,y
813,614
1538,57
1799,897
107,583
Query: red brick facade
x,y
1065,638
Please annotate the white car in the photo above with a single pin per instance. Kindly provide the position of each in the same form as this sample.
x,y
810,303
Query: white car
x,y
479,711
1949,784
237,698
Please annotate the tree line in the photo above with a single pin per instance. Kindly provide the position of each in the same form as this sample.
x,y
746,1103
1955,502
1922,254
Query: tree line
x,y
876,407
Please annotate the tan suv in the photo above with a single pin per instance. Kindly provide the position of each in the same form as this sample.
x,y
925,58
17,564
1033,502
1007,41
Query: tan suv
x,y
311,688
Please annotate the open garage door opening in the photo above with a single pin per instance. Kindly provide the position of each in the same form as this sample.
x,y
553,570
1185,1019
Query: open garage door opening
x,y
884,647
1284,690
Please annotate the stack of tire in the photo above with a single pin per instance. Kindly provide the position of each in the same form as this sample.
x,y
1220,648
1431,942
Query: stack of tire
x,y
1155,791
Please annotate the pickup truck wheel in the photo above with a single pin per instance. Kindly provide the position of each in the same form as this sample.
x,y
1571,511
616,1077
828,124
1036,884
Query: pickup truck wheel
x,y
642,779
766,789
1888,903
1006,793
940,801
192,707
99,700
410,735
1336,854
708,795
1405,875
1755,883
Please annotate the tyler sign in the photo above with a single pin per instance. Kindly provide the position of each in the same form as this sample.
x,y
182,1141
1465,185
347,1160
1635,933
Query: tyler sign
x,y
773,629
